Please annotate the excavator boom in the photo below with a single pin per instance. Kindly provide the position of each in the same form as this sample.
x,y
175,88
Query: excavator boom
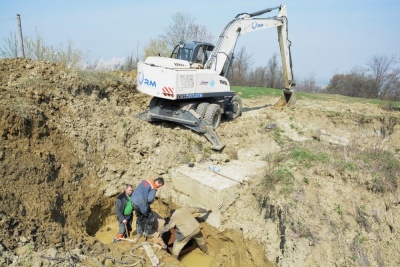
x,y
247,22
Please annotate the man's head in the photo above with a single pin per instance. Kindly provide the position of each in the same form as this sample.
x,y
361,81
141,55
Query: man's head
x,y
159,182
128,189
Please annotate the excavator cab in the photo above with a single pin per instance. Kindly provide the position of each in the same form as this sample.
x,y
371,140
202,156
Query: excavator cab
x,y
193,52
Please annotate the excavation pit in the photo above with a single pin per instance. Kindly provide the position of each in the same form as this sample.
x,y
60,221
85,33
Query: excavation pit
x,y
197,186
189,256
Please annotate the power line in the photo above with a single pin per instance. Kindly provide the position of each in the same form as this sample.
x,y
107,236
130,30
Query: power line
x,y
7,19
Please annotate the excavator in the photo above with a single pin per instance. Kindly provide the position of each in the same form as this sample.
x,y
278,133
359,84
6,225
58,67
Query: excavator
x,y
191,87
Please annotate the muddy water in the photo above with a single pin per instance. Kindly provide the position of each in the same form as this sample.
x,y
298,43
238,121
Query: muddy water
x,y
196,259
108,231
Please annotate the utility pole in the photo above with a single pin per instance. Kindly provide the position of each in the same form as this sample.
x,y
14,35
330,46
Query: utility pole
x,y
20,35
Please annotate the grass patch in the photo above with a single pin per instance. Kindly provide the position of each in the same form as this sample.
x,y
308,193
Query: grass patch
x,y
283,177
338,209
254,92
307,158
194,148
384,169
345,165
302,231
278,137
376,169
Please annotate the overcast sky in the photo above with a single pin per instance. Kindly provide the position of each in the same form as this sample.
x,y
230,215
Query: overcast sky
x,y
328,36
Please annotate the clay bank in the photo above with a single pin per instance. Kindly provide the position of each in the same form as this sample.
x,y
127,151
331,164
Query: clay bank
x,y
320,188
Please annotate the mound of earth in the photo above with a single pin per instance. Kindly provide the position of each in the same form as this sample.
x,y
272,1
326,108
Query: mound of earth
x,y
70,141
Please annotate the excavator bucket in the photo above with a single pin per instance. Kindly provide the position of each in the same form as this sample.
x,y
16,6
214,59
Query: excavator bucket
x,y
287,99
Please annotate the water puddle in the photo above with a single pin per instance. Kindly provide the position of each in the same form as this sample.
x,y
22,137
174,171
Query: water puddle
x,y
108,231
196,258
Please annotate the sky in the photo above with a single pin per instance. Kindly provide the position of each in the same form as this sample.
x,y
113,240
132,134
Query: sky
x,y
328,37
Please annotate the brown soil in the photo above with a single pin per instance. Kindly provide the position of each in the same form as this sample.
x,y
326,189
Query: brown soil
x,y
70,141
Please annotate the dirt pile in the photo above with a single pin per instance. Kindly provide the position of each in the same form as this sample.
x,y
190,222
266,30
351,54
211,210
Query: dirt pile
x,y
69,140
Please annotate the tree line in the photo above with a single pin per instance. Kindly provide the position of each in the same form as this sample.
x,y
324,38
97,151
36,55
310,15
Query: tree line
x,y
378,79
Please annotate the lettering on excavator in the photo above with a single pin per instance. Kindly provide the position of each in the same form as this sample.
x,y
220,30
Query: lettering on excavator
x,y
150,83
145,81
255,25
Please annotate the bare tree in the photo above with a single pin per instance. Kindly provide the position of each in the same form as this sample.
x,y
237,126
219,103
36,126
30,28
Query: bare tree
x,y
157,47
240,67
268,76
308,85
181,29
131,61
10,49
391,89
200,33
36,49
384,74
380,79
274,73
178,30
258,77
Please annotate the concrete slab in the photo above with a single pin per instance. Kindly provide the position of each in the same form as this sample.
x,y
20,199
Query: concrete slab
x,y
198,186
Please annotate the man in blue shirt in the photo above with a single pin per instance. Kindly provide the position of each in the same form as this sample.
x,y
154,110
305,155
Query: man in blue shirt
x,y
142,197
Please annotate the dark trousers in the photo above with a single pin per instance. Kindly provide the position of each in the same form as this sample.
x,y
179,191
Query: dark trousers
x,y
144,221
122,229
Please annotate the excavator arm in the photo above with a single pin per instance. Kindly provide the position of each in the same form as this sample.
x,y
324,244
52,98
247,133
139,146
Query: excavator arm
x,y
249,22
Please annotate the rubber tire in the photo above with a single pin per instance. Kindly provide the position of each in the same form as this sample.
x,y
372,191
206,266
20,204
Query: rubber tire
x,y
237,107
201,108
154,102
213,115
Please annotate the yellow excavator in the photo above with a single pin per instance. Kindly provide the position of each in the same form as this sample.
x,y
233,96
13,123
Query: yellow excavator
x,y
191,87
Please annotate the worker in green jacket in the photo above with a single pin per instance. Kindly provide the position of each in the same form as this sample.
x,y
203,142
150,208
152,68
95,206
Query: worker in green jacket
x,y
124,211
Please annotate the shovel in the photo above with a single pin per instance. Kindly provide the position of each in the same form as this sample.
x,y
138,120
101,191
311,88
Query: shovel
x,y
126,231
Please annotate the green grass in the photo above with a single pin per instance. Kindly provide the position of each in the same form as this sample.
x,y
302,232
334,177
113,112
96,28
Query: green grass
x,y
307,157
254,92
384,169
282,176
338,209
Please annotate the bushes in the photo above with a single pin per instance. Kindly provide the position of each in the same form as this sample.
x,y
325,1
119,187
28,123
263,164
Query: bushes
x,y
380,79
36,49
